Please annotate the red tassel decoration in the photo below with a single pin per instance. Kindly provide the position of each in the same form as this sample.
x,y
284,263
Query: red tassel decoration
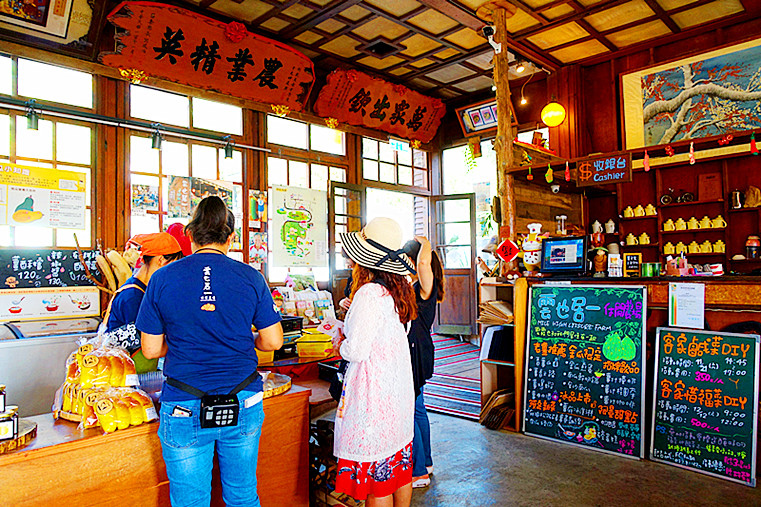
x,y
753,148
567,172
530,176
647,161
692,154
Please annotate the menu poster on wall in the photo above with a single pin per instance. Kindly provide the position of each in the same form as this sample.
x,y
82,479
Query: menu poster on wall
x,y
45,268
40,197
585,366
257,208
49,303
299,227
144,197
687,305
705,402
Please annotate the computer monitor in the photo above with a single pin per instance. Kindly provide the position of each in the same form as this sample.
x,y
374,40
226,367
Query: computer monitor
x,y
564,255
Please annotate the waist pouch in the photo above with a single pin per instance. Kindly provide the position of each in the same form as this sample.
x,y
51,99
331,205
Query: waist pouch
x,y
217,410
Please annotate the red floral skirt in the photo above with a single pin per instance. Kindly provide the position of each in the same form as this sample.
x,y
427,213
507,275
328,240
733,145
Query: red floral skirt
x,y
379,478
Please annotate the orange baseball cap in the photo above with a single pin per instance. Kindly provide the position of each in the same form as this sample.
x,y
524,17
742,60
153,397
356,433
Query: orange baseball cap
x,y
159,243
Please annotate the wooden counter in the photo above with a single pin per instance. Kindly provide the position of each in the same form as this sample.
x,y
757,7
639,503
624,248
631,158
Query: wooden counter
x,y
85,467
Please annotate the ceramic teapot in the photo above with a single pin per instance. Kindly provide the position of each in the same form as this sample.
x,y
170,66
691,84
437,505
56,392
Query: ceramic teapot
x,y
719,247
650,210
596,226
631,239
693,223
610,226
680,248
668,225
668,249
628,212
706,247
680,224
639,211
706,223
719,222
644,239
693,247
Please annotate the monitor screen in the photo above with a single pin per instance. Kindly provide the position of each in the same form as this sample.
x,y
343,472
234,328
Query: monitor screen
x,y
564,255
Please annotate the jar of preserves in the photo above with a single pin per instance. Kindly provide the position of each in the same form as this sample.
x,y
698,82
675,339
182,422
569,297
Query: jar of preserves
x,y
753,247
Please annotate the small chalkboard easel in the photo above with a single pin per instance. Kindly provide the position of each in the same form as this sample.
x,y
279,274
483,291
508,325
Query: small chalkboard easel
x,y
632,263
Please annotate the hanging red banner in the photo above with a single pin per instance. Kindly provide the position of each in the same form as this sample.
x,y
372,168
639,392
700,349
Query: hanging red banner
x,y
171,43
358,99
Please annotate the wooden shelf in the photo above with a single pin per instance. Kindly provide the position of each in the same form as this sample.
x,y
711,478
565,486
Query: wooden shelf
x,y
745,260
715,229
741,210
649,245
646,217
677,204
700,254
498,362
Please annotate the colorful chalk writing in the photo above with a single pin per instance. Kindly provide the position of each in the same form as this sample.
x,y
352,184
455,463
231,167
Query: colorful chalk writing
x,y
33,268
704,405
585,368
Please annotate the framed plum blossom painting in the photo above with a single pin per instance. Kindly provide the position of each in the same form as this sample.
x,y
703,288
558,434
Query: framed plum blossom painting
x,y
711,94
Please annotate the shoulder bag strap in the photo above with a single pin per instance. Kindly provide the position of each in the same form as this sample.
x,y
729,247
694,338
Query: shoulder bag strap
x,y
125,286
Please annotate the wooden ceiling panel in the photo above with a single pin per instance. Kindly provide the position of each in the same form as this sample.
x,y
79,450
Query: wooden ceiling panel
x,y
466,38
423,84
579,51
419,44
707,12
639,33
308,37
379,63
433,22
330,25
342,46
396,7
400,71
558,36
446,93
274,24
535,4
473,4
588,3
247,10
423,62
447,53
619,15
450,73
475,84
558,12
520,21
380,27
483,61
320,3
669,5
298,11
355,13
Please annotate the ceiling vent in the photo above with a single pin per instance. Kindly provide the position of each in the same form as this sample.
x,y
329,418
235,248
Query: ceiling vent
x,y
380,48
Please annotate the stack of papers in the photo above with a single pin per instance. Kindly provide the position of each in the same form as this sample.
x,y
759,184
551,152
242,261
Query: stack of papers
x,y
495,313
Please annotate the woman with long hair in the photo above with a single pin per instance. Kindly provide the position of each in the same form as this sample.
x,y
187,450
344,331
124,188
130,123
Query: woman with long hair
x,y
198,312
374,419
429,289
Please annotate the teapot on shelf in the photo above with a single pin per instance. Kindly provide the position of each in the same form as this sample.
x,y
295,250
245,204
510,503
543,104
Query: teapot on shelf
x,y
639,211
628,212
631,239
668,225
596,226
693,223
610,226
719,222
693,247
706,247
644,239
650,210
705,222
668,249
680,225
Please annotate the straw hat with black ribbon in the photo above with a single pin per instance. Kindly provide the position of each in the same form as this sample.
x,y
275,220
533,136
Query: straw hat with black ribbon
x,y
378,246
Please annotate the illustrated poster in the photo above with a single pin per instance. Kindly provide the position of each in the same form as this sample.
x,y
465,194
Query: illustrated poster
x,y
299,227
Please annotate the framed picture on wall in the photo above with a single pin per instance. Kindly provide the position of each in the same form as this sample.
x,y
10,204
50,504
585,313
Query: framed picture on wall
x,y
710,94
480,118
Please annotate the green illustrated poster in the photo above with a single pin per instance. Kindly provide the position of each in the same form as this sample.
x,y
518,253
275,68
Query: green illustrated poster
x,y
585,366
705,400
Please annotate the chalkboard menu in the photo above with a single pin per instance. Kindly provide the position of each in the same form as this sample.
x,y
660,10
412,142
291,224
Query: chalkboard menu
x,y
585,368
704,406
34,268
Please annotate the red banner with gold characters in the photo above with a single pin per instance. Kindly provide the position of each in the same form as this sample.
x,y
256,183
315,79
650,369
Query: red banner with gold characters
x,y
358,99
171,43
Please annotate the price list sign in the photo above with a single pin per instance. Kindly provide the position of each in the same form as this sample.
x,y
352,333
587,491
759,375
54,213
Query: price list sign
x,y
585,368
705,403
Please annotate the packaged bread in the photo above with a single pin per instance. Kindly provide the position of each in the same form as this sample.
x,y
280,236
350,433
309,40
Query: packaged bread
x,y
107,367
121,407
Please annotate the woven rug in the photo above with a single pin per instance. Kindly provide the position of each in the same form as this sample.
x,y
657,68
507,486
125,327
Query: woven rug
x,y
453,390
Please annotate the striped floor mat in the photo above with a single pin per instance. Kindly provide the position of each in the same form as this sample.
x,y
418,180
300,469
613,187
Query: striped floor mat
x,y
452,390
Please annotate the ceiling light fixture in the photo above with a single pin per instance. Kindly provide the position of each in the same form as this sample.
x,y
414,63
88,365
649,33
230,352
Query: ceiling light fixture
x,y
228,147
32,116
156,137
520,67
553,114
523,98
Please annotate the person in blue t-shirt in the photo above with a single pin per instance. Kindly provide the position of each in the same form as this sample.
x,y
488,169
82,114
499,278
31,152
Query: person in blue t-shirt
x,y
198,313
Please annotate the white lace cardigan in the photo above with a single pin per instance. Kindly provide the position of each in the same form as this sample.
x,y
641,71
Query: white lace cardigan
x,y
374,419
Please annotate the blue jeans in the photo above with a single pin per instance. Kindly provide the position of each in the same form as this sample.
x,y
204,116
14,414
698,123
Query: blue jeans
x,y
421,443
188,452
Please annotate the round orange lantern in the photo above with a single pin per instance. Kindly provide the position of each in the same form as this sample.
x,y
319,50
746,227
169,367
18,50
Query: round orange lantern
x,y
553,114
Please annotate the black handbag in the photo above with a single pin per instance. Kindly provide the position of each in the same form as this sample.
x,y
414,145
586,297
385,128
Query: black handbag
x,y
337,383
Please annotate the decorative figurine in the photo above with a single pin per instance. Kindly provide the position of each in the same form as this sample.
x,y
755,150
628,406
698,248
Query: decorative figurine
x,y
600,262
532,248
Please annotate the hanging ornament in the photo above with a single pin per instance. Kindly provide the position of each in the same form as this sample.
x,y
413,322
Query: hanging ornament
x,y
415,144
567,172
549,176
647,161
753,148
331,123
530,176
669,151
280,110
692,153
726,140
135,76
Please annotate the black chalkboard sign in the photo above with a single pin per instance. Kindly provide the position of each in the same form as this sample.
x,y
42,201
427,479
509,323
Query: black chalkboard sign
x,y
705,401
585,368
32,268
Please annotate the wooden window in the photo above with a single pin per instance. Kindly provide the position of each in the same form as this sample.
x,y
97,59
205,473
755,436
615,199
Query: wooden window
x,y
382,164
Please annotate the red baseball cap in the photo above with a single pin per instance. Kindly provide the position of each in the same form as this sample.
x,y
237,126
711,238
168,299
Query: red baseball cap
x,y
177,230
159,243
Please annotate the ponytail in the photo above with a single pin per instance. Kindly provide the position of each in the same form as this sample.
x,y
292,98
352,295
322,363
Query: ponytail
x,y
212,222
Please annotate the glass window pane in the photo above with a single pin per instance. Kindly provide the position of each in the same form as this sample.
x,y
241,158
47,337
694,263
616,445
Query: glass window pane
x,y
5,135
204,163
421,178
404,157
420,158
369,148
456,257
405,175
6,75
65,237
277,171
56,84
5,235
456,234
338,174
455,210
33,236
142,157
159,106
319,177
370,169
396,205
286,132
231,169
339,202
297,174
387,173
36,163
88,180
386,153
326,139
174,158
34,143
217,116
73,143
144,224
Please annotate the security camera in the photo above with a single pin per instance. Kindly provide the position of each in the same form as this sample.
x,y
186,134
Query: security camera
x,y
489,34
488,31
555,188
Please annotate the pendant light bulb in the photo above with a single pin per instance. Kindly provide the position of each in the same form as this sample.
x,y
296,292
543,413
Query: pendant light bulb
x,y
32,117
520,68
156,139
228,148
523,101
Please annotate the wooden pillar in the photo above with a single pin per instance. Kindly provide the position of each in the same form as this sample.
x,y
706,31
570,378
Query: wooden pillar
x,y
503,144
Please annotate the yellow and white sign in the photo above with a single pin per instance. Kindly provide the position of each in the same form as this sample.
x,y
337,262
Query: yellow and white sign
x,y
42,197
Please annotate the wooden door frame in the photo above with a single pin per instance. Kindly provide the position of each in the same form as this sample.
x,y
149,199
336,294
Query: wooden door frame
x,y
335,274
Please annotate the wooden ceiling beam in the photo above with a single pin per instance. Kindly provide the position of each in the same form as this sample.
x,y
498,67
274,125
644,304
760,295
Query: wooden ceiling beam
x,y
279,8
528,10
658,10
603,6
318,17
597,35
